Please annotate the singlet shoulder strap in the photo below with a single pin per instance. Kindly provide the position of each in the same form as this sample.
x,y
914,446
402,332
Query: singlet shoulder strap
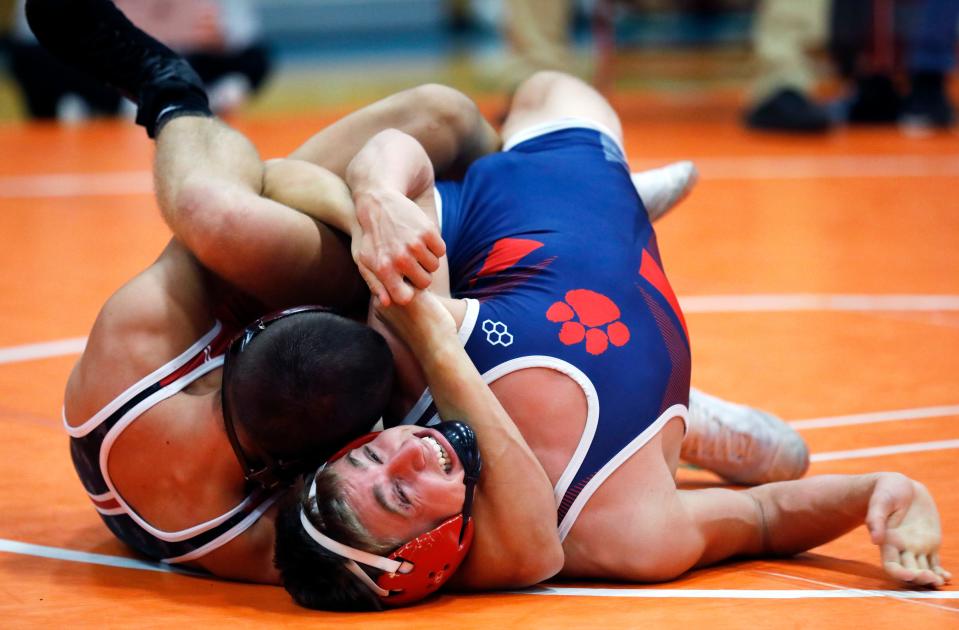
x,y
202,349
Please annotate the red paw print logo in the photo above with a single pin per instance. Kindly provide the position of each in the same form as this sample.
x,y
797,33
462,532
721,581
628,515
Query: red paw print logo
x,y
591,316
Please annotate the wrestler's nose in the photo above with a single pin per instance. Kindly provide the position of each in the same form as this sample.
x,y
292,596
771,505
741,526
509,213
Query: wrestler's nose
x,y
410,457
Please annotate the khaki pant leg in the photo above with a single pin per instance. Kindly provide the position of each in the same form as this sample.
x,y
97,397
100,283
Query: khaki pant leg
x,y
785,34
538,35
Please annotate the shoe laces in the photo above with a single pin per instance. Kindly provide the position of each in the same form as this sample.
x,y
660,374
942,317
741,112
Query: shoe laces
x,y
717,437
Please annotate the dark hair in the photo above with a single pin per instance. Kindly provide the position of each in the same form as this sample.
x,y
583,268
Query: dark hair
x,y
309,383
312,575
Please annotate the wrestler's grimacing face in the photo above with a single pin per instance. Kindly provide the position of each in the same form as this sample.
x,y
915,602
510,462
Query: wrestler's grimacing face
x,y
402,483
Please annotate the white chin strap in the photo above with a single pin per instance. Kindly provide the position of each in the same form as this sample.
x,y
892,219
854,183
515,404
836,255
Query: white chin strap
x,y
351,554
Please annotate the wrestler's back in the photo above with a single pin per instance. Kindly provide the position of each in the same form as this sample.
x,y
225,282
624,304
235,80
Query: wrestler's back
x,y
575,324
170,464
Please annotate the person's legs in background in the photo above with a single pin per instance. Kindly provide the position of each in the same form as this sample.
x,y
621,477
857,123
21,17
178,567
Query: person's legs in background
x,y
784,35
538,35
931,56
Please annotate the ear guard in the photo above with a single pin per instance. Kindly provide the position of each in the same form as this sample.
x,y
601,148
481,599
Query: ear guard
x,y
418,568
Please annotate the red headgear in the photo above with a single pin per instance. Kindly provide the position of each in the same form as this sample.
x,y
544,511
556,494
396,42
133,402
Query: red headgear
x,y
419,567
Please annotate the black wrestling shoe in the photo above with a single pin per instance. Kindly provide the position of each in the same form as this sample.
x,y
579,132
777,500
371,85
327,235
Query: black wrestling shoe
x,y
928,105
876,101
789,110
94,36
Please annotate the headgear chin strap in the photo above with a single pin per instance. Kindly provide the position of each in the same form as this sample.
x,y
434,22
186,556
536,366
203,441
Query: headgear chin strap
x,y
419,567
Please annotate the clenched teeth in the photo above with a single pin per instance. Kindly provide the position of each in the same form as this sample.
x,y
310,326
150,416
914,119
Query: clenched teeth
x,y
445,463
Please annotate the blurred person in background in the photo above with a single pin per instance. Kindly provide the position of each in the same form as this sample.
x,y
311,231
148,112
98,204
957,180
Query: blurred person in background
x,y
537,33
785,35
220,38
899,54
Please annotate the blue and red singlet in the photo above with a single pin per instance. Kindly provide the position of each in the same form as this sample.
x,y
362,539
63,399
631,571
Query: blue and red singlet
x,y
552,247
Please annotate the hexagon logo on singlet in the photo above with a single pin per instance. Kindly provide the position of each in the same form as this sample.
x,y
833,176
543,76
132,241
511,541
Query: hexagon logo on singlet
x,y
590,317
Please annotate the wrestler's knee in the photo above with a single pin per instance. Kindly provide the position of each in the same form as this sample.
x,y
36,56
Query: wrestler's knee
x,y
535,90
203,213
446,106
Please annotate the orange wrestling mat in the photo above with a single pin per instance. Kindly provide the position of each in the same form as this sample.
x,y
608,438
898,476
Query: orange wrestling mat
x,y
820,279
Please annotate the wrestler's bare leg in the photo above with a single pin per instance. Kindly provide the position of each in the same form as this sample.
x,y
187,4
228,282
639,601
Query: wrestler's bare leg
x,y
209,180
548,96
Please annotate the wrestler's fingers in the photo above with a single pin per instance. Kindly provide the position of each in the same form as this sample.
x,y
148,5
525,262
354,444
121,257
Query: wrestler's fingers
x,y
903,567
892,564
400,292
938,568
414,273
926,576
435,243
898,572
425,257
377,290
389,273
908,560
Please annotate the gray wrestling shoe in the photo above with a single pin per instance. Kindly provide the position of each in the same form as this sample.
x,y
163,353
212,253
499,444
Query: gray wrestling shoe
x,y
662,188
742,444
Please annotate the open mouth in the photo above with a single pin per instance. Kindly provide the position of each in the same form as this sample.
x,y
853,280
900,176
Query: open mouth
x,y
441,451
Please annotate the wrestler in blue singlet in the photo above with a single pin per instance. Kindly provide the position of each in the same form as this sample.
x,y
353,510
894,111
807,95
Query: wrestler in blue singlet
x,y
552,246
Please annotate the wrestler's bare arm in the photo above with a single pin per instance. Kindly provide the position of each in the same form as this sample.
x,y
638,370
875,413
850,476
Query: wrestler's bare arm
x,y
779,519
516,541
210,185
445,121
900,514
398,243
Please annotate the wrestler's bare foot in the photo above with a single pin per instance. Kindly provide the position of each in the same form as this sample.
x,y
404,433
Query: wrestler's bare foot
x,y
904,523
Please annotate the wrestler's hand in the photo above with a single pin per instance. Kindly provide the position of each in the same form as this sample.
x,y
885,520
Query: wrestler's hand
x,y
904,522
396,246
423,323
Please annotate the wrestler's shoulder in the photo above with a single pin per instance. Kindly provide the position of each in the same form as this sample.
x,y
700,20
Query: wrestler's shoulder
x,y
147,322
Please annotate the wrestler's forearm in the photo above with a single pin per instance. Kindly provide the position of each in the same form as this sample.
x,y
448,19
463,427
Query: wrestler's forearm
x,y
783,518
391,161
806,513
460,392
516,539
312,190
445,121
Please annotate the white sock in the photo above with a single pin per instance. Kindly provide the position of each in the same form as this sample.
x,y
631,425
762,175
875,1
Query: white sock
x,y
661,189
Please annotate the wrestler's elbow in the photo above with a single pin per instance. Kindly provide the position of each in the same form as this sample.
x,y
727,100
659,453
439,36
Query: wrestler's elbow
x,y
510,561
213,221
540,564
533,559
